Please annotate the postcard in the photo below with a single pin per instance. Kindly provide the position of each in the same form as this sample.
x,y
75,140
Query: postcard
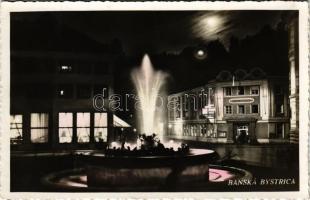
x,y
152,100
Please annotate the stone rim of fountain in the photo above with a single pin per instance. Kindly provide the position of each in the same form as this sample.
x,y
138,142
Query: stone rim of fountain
x,y
49,181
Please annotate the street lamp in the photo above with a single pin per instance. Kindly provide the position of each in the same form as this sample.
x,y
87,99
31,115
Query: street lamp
x,y
200,54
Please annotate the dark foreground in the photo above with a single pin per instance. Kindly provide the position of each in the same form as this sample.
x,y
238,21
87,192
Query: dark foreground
x,y
274,168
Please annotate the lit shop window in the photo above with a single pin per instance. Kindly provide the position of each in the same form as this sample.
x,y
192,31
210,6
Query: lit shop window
x,y
16,129
65,127
211,133
39,127
221,134
101,130
83,127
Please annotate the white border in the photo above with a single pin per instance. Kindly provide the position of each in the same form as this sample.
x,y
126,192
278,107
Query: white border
x,y
7,7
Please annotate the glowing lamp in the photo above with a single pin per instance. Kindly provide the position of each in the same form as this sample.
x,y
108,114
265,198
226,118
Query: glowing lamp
x,y
200,53
64,67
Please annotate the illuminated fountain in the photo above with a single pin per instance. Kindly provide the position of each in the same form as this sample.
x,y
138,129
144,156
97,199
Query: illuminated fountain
x,y
150,86
150,164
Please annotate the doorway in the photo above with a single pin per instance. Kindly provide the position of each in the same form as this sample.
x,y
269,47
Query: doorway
x,y
241,133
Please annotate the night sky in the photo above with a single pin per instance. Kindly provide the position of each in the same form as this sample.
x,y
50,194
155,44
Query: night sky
x,y
230,39
155,32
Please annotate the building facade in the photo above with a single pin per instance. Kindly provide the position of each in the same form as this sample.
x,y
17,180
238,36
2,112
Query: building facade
x,y
52,98
230,111
293,55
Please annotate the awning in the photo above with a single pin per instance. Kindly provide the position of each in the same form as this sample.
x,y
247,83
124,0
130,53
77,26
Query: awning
x,y
118,122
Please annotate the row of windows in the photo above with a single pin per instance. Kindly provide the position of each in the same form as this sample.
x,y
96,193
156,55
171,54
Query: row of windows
x,y
240,90
249,90
199,130
191,104
276,130
241,109
39,127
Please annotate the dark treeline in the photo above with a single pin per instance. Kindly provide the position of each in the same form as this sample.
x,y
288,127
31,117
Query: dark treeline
x,y
268,50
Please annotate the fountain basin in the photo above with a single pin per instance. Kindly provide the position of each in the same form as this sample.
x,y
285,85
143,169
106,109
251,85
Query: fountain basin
x,y
158,170
194,157
76,181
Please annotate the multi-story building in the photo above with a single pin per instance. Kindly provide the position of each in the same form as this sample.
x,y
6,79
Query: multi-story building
x,y
53,87
232,110
52,100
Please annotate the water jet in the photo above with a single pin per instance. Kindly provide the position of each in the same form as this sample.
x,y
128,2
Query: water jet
x,y
150,86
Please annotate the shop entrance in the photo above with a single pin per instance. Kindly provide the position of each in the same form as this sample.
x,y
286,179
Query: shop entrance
x,y
241,133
